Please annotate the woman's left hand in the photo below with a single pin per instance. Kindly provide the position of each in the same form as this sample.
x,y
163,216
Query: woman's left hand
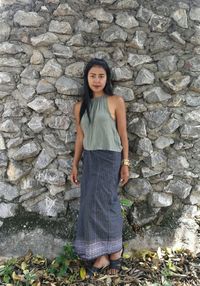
x,y
124,175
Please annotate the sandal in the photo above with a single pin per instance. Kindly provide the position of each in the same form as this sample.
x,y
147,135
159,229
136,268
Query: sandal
x,y
116,264
93,271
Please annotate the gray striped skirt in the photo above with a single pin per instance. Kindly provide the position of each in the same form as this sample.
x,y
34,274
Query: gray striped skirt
x,y
99,226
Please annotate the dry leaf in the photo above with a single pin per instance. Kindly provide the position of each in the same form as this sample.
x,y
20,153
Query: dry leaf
x,y
83,273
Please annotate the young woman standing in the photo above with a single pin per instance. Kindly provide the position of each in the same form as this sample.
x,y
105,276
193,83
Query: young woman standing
x,y
102,140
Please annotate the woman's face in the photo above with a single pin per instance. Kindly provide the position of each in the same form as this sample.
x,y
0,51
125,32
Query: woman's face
x,y
97,80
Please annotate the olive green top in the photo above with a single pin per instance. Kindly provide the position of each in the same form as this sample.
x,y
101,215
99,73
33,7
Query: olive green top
x,y
101,133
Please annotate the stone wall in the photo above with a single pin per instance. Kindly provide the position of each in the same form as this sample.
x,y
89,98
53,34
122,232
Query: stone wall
x,y
153,48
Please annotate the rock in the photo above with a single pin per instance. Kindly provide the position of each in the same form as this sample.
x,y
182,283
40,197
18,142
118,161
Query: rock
x,y
180,16
76,40
168,63
40,104
52,68
156,159
44,159
107,1
8,192
195,14
171,126
192,116
190,132
163,142
8,48
100,15
51,176
135,59
14,142
195,39
138,189
137,107
9,126
177,82
30,73
144,147
193,64
2,143
3,159
160,44
137,126
36,58
59,122
53,142
62,51
178,163
144,76
72,194
75,69
193,99
177,37
125,92
29,184
144,14
7,210
156,94
54,190
9,62
114,33
27,150
157,117
64,10
16,171
178,188
147,172
4,31
28,19
44,40
65,85
194,198
126,21
36,124
159,199
49,207
60,27
159,23
122,74
138,40
27,92
66,106
127,4
6,81
88,27
44,86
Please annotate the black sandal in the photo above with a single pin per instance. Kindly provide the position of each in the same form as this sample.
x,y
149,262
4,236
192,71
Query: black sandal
x,y
93,271
117,263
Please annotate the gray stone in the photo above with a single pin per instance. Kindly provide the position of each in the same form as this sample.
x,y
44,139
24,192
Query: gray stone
x,y
107,1
17,171
160,44
8,48
3,159
193,64
113,34
125,92
137,107
159,23
9,62
75,69
14,142
180,16
51,176
44,40
163,142
195,86
177,37
27,92
147,172
168,63
138,188
53,142
193,115
7,210
177,82
29,184
36,58
64,10
137,126
28,19
30,73
36,124
72,194
6,81
9,126
194,198
27,150
40,104
8,192
2,143
58,122
50,207
54,190
44,86
178,188
156,118
171,126
159,199
138,40
135,59
60,27
100,15
156,94
193,99
44,159
195,39
126,21
144,14
76,40
52,68
4,94
4,31
62,51
127,4
195,14
156,159
66,106
144,147
88,27
122,74
68,86
190,132
178,163
144,76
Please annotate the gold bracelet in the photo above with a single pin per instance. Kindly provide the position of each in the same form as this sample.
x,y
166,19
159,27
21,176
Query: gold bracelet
x,y
126,162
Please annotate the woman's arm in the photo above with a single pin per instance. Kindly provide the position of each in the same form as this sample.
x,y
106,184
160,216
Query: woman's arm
x,y
122,130
78,149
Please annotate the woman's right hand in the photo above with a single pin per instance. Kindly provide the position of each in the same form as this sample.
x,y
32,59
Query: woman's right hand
x,y
74,175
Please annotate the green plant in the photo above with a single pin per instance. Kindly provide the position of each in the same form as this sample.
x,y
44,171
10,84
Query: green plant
x,y
6,270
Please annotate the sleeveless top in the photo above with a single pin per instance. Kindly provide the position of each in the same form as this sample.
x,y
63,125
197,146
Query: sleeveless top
x,y
101,133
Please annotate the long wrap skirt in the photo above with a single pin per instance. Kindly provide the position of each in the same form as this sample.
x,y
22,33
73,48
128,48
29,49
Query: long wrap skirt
x,y
99,226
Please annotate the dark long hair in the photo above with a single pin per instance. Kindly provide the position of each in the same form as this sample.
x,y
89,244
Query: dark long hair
x,y
88,94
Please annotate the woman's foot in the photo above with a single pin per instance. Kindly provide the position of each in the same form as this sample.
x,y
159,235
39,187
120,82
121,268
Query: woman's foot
x,y
115,262
99,265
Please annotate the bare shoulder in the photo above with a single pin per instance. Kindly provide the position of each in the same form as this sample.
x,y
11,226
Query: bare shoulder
x,y
77,107
117,100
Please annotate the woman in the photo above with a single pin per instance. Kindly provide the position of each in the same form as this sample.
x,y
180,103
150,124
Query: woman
x,y
102,138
